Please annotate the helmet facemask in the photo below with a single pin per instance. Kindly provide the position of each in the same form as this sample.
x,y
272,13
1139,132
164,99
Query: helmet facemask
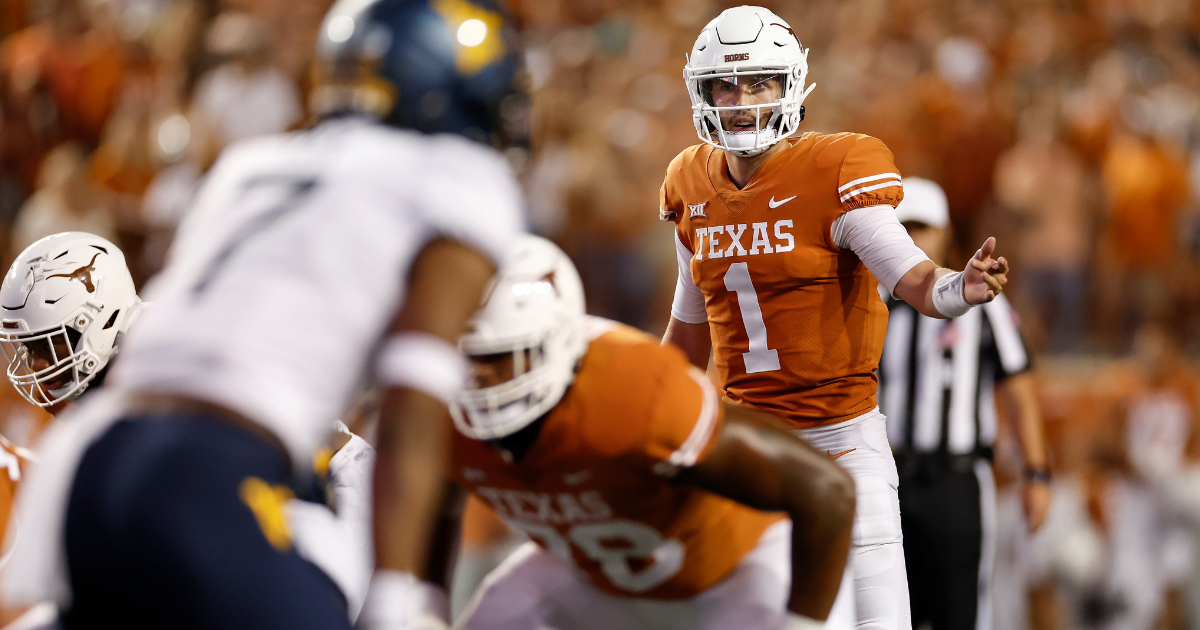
x,y
786,112
510,389
51,365
524,344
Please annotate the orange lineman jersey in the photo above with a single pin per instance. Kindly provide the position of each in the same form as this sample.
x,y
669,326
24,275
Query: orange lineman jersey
x,y
796,322
595,486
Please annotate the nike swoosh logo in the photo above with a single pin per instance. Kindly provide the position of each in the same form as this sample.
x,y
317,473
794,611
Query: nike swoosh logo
x,y
833,455
775,204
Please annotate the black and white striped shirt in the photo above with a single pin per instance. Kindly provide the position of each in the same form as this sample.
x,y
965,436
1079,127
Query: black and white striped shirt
x,y
937,377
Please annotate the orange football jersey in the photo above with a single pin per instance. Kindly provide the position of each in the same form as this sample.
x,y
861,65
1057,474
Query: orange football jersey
x,y
797,325
595,486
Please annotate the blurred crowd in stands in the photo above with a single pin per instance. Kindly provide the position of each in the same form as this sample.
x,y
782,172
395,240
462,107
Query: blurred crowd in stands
x,y
1069,129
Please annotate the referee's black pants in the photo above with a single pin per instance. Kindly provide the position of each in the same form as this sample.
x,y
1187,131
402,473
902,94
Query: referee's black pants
x,y
941,514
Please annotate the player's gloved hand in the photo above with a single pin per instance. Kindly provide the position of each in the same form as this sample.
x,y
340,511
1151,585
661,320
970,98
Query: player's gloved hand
x,y
398,600
799,622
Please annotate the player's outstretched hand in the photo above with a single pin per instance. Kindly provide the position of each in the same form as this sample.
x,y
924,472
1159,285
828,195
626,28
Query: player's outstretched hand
x,y
985,277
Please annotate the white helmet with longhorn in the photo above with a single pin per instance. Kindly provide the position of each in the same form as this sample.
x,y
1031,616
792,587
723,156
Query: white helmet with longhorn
x,y
64,306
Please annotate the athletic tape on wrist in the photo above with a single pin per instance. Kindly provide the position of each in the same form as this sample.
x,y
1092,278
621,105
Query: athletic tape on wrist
x,y
948,295
423,362
800,622
398,599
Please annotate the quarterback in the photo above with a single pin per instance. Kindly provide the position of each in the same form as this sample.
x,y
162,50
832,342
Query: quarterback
x,y
312,264
781,241
640,488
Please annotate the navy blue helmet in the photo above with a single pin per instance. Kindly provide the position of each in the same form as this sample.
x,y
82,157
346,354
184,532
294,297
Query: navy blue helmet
x,y
437,66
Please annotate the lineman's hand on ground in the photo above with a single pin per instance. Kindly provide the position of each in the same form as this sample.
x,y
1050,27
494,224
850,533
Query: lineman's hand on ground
x,y
985,277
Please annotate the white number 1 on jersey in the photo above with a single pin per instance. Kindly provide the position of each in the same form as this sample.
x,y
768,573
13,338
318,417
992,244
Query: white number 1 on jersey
x,y
760,358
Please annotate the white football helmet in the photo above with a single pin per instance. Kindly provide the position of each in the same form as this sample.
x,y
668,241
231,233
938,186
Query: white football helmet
x,y
747,44
534,314
64,306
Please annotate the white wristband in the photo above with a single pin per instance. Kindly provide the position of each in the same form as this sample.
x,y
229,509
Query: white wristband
x,y
399,600
800,622
948,295
424,362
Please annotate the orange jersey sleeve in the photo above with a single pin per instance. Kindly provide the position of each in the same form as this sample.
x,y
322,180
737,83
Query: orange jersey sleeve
x,y
685,410
671,206
868,176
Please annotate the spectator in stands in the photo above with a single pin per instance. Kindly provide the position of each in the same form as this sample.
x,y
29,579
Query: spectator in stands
x,y
66,200
245,95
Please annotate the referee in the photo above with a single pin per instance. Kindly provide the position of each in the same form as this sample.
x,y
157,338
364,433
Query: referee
x,y
938,384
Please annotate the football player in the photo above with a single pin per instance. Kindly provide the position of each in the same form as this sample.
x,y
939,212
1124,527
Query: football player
x,y
641,488
65,305
310,260
780,240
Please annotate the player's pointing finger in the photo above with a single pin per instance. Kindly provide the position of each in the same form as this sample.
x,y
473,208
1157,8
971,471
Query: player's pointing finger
x,y
986,250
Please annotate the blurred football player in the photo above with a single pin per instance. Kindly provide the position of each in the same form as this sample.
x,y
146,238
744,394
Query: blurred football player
x,y
65,306
640,487
780,240
310,261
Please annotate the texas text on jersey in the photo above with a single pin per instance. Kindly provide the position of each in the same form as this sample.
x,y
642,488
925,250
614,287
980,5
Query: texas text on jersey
x,y
595,488
771,276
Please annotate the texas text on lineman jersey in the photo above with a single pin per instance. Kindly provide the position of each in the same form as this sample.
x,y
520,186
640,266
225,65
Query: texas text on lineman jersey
x,y
796,322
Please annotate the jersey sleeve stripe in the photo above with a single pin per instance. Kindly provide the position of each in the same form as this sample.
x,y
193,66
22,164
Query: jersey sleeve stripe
x,y
665,215
866,189
863,180
687,454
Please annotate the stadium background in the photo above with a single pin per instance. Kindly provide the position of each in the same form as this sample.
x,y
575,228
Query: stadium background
x,y
1066,128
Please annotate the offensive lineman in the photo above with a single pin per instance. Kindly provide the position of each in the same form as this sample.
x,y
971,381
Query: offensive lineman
x,y
637,482
779,241
65,306
310,261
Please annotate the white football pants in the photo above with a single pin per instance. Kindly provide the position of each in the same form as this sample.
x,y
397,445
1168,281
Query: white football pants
x,y
860,445
534,588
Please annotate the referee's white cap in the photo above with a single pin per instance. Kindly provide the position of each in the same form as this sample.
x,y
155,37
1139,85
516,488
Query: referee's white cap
x,y
924,202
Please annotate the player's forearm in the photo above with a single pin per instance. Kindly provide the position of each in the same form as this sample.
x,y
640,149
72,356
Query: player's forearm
x,y
693,339
414,434
916,287
767,468
820,549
